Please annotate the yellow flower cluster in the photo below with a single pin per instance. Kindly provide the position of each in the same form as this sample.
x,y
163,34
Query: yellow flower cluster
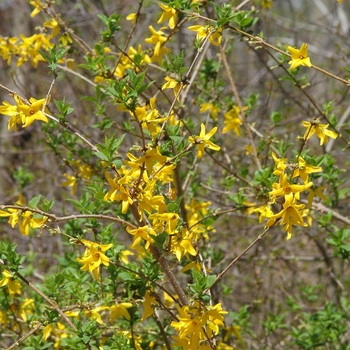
x,y
25,220
58,330
25,48
94,256
148,117
196,324
215,36
287,194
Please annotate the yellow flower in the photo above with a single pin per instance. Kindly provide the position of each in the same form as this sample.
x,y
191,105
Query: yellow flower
x,y
72,313
94,256
158,38
203,141
30,47
148,305
232,120
291,214
280,164
321,131
53,24
299,57
203,31
71,182
26,307
94,313
151,156
233,330
315,191
223,346
168,300
132,17
303,170
166,220
210,107
47,331
168,14
84,170
119,310
32,112
3,319
142,233
284,188
119,192
198,322
13,214
24,113
12,111
13,286
172,84
38,6
58,330
124,256
181,244
28,221
266,4
264,210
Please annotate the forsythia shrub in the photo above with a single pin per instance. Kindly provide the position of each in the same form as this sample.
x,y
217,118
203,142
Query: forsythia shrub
x,y
173,197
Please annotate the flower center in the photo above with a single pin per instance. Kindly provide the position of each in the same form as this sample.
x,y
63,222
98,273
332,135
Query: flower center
x,y
287,190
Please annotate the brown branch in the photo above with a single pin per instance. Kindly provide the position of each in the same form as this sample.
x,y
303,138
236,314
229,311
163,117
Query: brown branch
x,y
54,218
222,273
25,336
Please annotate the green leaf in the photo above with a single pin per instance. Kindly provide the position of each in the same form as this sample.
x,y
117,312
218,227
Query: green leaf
x,y
210,280
103,18
276,117
34,201
101,156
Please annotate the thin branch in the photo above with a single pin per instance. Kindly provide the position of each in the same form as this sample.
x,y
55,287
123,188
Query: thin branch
x,y
162,331
222,273
47,99
25,336
242,114
66,69
54,218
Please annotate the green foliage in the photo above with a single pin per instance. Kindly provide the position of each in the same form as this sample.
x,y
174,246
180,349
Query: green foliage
x,y
107,152
323,328
201,283
134,86
63,108
52,57
174,64
9,257
339,239
23,177
112,24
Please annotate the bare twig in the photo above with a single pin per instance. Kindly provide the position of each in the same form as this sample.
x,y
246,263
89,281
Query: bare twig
x,y
222,273
242,114
25,336
54,218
